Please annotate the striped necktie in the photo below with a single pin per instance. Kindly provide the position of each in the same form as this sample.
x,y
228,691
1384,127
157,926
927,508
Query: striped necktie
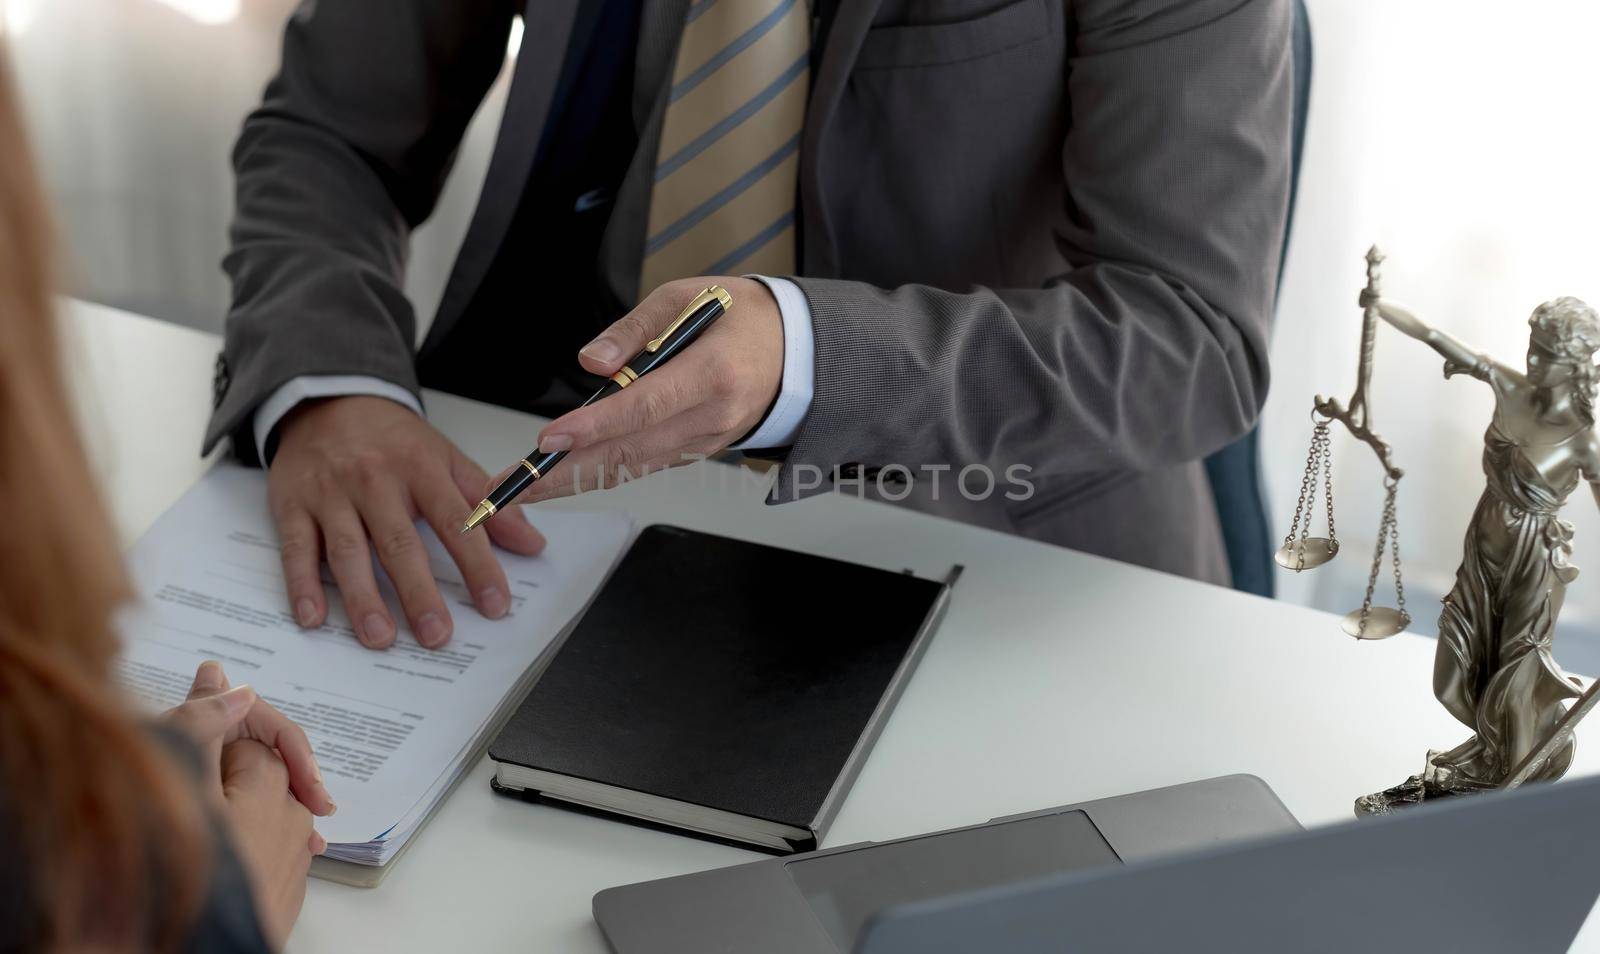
x,y
724,192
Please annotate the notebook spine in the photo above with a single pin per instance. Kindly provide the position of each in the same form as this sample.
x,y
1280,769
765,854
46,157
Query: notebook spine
x,y
880,715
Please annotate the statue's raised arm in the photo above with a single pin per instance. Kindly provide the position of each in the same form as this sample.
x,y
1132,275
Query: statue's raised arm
x,y
1459,358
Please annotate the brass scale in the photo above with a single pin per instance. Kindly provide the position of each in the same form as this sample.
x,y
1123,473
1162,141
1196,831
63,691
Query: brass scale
x,y
1302,551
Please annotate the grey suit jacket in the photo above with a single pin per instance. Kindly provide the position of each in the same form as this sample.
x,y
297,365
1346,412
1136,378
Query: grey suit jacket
x,y
1035,234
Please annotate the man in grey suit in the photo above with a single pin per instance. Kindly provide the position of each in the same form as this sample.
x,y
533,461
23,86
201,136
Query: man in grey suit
x,y
1027,252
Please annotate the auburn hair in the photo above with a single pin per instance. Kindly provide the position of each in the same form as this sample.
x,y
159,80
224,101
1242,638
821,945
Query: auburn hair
x,y
111,836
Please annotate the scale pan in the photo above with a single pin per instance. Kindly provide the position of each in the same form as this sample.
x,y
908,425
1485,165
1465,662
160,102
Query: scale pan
x,y
1315,552
1382,622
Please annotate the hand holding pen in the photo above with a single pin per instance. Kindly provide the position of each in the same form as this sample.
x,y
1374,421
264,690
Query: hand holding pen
x,y
680,402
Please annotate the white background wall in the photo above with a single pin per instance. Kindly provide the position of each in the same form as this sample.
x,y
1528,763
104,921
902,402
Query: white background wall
x,y
135,105
1464,137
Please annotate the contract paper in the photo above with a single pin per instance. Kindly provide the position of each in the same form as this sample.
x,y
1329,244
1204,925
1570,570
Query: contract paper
x,y
391,728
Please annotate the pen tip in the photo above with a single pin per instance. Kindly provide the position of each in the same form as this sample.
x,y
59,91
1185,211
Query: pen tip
x,y
484,511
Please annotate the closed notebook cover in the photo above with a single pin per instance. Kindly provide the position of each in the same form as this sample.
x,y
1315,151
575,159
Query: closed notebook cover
x,y
723,674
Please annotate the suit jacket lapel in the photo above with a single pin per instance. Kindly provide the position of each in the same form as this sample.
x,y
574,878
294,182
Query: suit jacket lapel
x,y
537,72
622,246
660,27
528,104
658,44
842,45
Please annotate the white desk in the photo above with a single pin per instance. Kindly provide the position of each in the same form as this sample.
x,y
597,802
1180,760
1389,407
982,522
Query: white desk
x,y
1056,677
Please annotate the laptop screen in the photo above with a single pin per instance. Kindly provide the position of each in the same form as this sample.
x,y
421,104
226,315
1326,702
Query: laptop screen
x,y
847,888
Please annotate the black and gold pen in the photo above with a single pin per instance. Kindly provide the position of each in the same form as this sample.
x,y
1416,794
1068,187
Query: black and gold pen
x,y
706,308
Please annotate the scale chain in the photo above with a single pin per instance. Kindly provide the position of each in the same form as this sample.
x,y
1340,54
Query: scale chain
x,y
1305,488
1327,479
1315,457
1388,532
1394,553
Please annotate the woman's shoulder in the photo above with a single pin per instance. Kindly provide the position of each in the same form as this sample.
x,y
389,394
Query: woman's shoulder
x,y
226,922
21,926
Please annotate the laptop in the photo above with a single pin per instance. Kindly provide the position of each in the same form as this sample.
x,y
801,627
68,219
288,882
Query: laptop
x,y
1495,873
819,902
1217,865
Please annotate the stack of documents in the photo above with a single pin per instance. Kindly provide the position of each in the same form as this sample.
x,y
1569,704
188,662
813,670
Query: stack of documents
x,y
392,729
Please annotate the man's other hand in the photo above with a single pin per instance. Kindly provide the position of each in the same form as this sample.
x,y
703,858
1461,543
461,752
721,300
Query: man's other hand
x,y
351,476
707,397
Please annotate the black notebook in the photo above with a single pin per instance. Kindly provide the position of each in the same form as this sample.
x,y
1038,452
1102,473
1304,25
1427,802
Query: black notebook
x,y
721,688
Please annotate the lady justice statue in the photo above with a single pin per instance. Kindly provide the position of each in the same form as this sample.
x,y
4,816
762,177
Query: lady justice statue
x,y
1493,669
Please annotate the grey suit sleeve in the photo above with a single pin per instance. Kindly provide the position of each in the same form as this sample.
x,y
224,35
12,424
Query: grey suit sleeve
x,y
1152,348
346,154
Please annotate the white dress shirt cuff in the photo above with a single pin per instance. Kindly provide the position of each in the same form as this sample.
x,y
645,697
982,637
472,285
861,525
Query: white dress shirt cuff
x,y
310,386
795,393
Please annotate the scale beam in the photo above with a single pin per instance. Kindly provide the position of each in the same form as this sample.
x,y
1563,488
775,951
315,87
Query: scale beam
x,y
1331,408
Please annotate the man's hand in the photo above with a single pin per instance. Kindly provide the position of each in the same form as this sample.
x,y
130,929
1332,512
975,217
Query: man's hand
x,y
351,470
704,399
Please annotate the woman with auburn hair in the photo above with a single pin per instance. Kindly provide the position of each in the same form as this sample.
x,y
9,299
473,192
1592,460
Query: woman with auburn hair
x,y
193,833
